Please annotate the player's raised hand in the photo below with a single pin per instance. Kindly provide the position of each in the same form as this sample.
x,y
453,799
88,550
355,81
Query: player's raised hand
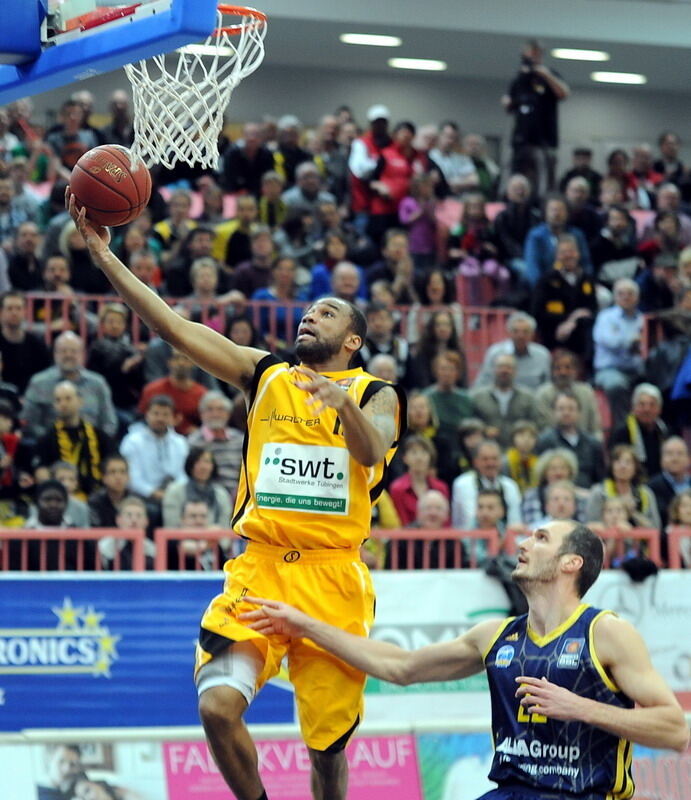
x,y
96,236
540,696
273,618
325,393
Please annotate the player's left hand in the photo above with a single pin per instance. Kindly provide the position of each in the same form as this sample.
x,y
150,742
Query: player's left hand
x,y
540,696
97,237
324,393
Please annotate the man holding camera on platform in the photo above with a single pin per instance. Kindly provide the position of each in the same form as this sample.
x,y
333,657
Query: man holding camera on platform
x,y
533,97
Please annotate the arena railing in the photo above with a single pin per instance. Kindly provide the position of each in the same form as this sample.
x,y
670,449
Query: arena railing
x,y
617,543
445,548
675,535
68,549
637,541
183,549
51,313
178,549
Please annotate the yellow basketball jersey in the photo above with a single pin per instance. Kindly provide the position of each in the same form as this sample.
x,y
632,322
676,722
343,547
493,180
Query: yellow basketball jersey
x,y
299,486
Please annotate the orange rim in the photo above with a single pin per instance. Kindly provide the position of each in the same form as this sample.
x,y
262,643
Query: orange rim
x,y
239,11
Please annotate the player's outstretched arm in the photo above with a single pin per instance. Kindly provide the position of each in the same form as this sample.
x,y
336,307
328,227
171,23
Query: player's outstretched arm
x,y
437,662
657,720
208,349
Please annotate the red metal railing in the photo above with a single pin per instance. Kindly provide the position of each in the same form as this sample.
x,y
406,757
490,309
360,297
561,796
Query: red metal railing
x,y
65,548
277,321
482,326
616,543
408,548
411,548
675,533
186,556
619,542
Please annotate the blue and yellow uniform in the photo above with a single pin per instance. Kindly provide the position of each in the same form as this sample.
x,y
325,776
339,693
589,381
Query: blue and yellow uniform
x,y
305,504
536,757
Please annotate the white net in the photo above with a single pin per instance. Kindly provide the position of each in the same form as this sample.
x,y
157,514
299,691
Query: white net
x,y
179,98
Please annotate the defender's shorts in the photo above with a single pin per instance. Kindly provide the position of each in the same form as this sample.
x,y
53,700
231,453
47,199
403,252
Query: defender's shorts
x,y
331,585
518,792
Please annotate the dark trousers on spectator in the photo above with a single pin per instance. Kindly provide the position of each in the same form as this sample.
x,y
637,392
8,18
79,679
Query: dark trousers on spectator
x,y
538,163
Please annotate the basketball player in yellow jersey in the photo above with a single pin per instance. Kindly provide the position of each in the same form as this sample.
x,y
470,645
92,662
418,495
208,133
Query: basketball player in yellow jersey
x,y
319,438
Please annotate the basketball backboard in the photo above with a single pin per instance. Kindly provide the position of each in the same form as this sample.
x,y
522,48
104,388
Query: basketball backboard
x,y
50,43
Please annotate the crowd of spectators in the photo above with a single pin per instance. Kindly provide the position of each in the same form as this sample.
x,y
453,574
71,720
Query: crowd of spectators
x,y
104,425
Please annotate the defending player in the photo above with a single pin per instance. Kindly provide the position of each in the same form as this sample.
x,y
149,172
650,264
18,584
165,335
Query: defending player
x,y
319,438
571,686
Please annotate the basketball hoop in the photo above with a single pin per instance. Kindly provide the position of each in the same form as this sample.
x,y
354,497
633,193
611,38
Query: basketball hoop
x,y
178,107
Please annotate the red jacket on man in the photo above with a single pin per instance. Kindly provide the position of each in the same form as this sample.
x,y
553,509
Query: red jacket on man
x,y
360,193
397,173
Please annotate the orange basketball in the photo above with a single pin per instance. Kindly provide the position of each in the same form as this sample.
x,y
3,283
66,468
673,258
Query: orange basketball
x,y
113,191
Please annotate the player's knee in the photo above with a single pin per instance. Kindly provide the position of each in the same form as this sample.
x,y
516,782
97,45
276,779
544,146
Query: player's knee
x,y
327,762
220,707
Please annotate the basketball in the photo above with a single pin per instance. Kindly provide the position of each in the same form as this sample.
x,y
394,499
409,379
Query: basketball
x,y
113,191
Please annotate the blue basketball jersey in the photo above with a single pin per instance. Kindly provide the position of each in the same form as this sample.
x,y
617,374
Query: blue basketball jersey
x,y
551,755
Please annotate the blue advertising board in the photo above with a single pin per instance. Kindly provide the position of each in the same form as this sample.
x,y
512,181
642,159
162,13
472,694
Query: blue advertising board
x,y
108,651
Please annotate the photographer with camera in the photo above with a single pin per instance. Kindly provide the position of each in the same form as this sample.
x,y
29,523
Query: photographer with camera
x,y
533,97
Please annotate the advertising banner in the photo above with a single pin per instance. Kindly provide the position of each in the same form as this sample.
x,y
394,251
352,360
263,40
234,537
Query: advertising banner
x,y
379,766
95,770
454,766
107,652
429,766
660,610
423,607
116,651
661,775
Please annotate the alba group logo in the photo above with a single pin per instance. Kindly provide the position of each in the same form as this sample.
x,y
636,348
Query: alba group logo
x,y
80,644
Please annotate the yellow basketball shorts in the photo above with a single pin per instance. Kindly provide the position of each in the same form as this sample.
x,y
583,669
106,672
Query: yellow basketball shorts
x,y
331,585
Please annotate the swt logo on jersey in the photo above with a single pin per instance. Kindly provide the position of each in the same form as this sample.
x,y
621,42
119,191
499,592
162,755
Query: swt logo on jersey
x,y
303,478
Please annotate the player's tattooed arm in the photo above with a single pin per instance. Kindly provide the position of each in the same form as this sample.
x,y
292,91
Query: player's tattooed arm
x,y
381,410
370,432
